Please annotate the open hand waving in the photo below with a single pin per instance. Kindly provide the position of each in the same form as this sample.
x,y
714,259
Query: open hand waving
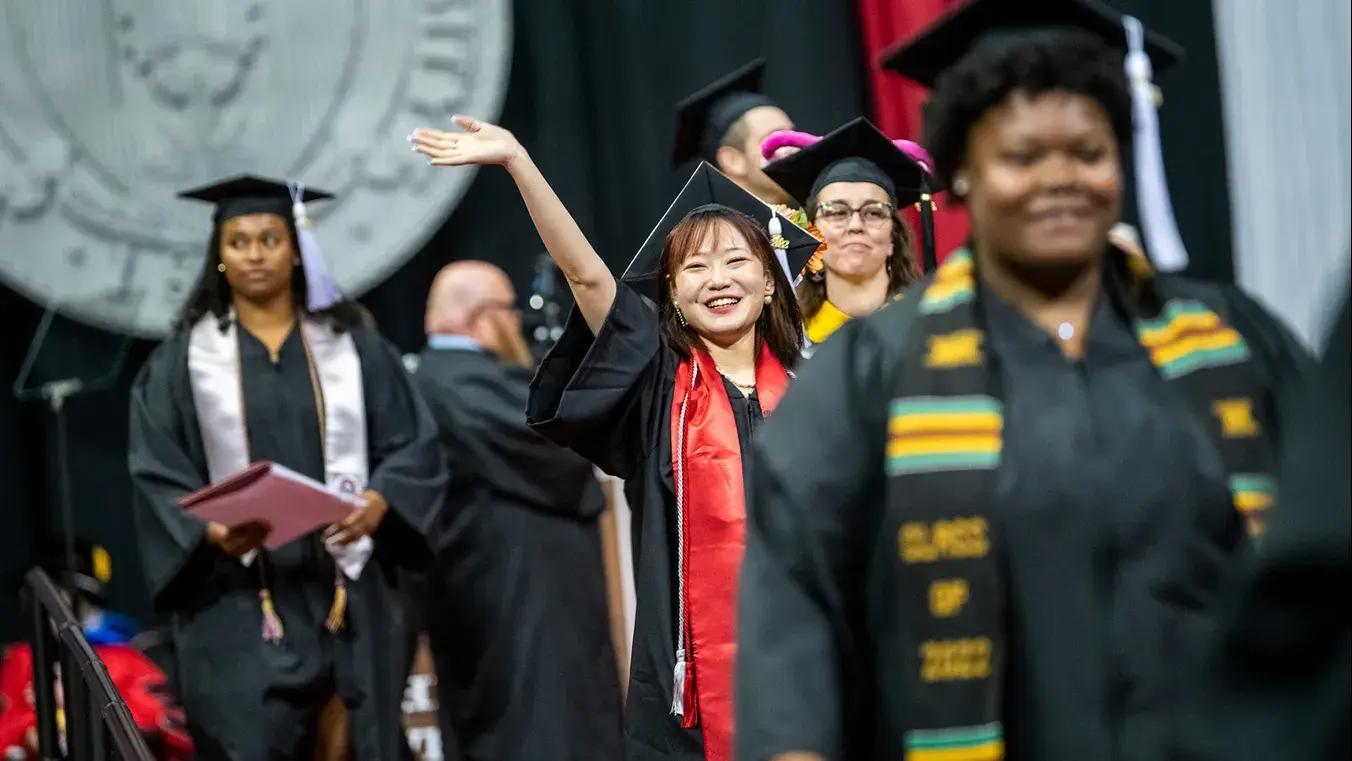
x,y
480,143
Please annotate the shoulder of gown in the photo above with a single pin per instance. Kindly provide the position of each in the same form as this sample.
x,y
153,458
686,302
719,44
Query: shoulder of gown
x,y
1275,683
596,394
407,467
165,464
814,500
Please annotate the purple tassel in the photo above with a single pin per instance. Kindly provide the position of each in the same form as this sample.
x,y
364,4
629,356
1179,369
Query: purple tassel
x,y
322,289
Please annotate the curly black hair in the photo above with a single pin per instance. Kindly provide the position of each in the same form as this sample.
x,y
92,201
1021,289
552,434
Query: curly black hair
x,y
211,294
1031,62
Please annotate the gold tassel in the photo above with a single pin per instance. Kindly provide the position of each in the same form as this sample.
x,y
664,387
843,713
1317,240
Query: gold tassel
x,y
272,624
339,607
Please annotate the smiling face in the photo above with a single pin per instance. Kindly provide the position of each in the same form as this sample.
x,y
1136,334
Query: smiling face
x,y
720,283
259,256
1045,179
856,219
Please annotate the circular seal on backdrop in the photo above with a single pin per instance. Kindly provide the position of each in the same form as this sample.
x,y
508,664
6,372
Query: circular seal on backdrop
x,y
105,116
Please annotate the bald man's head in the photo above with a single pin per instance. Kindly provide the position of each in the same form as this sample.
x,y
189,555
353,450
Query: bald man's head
x,y
475,299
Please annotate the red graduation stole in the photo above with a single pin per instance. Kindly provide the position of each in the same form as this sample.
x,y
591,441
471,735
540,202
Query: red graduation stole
x,y
711,537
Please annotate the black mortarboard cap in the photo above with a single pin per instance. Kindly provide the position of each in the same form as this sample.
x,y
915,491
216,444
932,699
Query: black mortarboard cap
x,y
250,194
854,152
703,119
923,57
859,152
706,189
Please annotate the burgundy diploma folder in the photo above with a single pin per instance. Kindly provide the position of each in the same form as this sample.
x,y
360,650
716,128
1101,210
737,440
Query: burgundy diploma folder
x,y
290,504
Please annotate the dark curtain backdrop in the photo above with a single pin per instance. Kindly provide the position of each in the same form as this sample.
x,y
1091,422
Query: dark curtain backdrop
x,y
590,94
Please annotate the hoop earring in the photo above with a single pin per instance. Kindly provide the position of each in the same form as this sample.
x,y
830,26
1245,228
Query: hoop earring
x,y
220,267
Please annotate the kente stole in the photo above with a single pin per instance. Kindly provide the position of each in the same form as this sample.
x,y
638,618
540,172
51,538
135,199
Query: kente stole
x,y
945,434
710,539
214,371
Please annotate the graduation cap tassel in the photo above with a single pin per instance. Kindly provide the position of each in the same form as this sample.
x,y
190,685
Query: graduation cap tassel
x,y
1163,242
926,206
339,608
322,289
781,246
272,624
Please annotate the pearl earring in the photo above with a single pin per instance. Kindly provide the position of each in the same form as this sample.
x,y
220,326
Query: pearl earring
x,y
960,186
769,298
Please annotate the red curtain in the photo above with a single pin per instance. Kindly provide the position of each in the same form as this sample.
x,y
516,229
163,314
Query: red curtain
x,y
897,101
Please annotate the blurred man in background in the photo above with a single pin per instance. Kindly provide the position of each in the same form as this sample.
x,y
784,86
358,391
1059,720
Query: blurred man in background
x,y
516,602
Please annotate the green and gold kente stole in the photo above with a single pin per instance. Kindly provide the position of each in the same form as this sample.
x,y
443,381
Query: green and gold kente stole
x,y
945,436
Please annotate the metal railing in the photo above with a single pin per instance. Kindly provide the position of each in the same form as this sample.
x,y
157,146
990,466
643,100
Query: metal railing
x,y
98,725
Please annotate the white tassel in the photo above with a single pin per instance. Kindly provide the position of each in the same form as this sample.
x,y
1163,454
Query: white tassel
x,y
1164,244
678,685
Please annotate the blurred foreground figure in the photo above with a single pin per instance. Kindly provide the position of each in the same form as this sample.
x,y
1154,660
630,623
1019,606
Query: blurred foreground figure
x,y
990,520
283,651
516,609
1282,680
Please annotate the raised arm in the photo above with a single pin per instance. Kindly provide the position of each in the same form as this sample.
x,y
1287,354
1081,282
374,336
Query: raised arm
x,y
481,143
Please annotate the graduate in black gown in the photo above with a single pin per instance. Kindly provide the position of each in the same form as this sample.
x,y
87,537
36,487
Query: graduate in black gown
x,y
852,183
519,624
268,362
991,520
659,379
725,122
1278,683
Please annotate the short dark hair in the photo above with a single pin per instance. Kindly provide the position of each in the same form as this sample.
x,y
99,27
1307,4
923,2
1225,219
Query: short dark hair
x,y
1031,62
211,294
780,325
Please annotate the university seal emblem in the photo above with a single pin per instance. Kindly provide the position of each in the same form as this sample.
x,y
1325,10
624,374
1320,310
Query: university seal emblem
x,y
109,107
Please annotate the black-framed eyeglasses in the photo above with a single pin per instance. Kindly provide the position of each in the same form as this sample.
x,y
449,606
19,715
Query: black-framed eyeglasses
x,y
875,214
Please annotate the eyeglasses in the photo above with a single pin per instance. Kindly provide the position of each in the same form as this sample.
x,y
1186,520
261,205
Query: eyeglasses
x,y
874,213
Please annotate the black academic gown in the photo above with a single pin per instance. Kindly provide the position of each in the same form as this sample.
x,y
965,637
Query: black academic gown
x,y
1113,510
609,399
517,611
1278,684
247,699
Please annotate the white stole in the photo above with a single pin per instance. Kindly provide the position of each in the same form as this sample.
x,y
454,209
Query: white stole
x,y
218,397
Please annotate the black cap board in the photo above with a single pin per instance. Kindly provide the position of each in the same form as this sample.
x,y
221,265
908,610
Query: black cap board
x,y
854,152
704,118
250,194
708,189
925,56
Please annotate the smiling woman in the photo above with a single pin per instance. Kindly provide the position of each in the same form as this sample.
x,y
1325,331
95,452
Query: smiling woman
x,y
666,395
972,430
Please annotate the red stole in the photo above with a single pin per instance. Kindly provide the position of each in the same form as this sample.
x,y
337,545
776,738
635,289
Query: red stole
x,y
711,515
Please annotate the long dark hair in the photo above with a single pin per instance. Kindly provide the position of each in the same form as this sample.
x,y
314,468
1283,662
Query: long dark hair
x,y
902,267
212,294
780,325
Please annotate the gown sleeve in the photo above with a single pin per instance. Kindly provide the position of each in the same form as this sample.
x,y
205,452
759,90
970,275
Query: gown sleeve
x,y
592,395
814,497
407,468
173,553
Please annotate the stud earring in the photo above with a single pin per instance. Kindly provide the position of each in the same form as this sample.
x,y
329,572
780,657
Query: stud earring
x,y
769,298
220,267
960,186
